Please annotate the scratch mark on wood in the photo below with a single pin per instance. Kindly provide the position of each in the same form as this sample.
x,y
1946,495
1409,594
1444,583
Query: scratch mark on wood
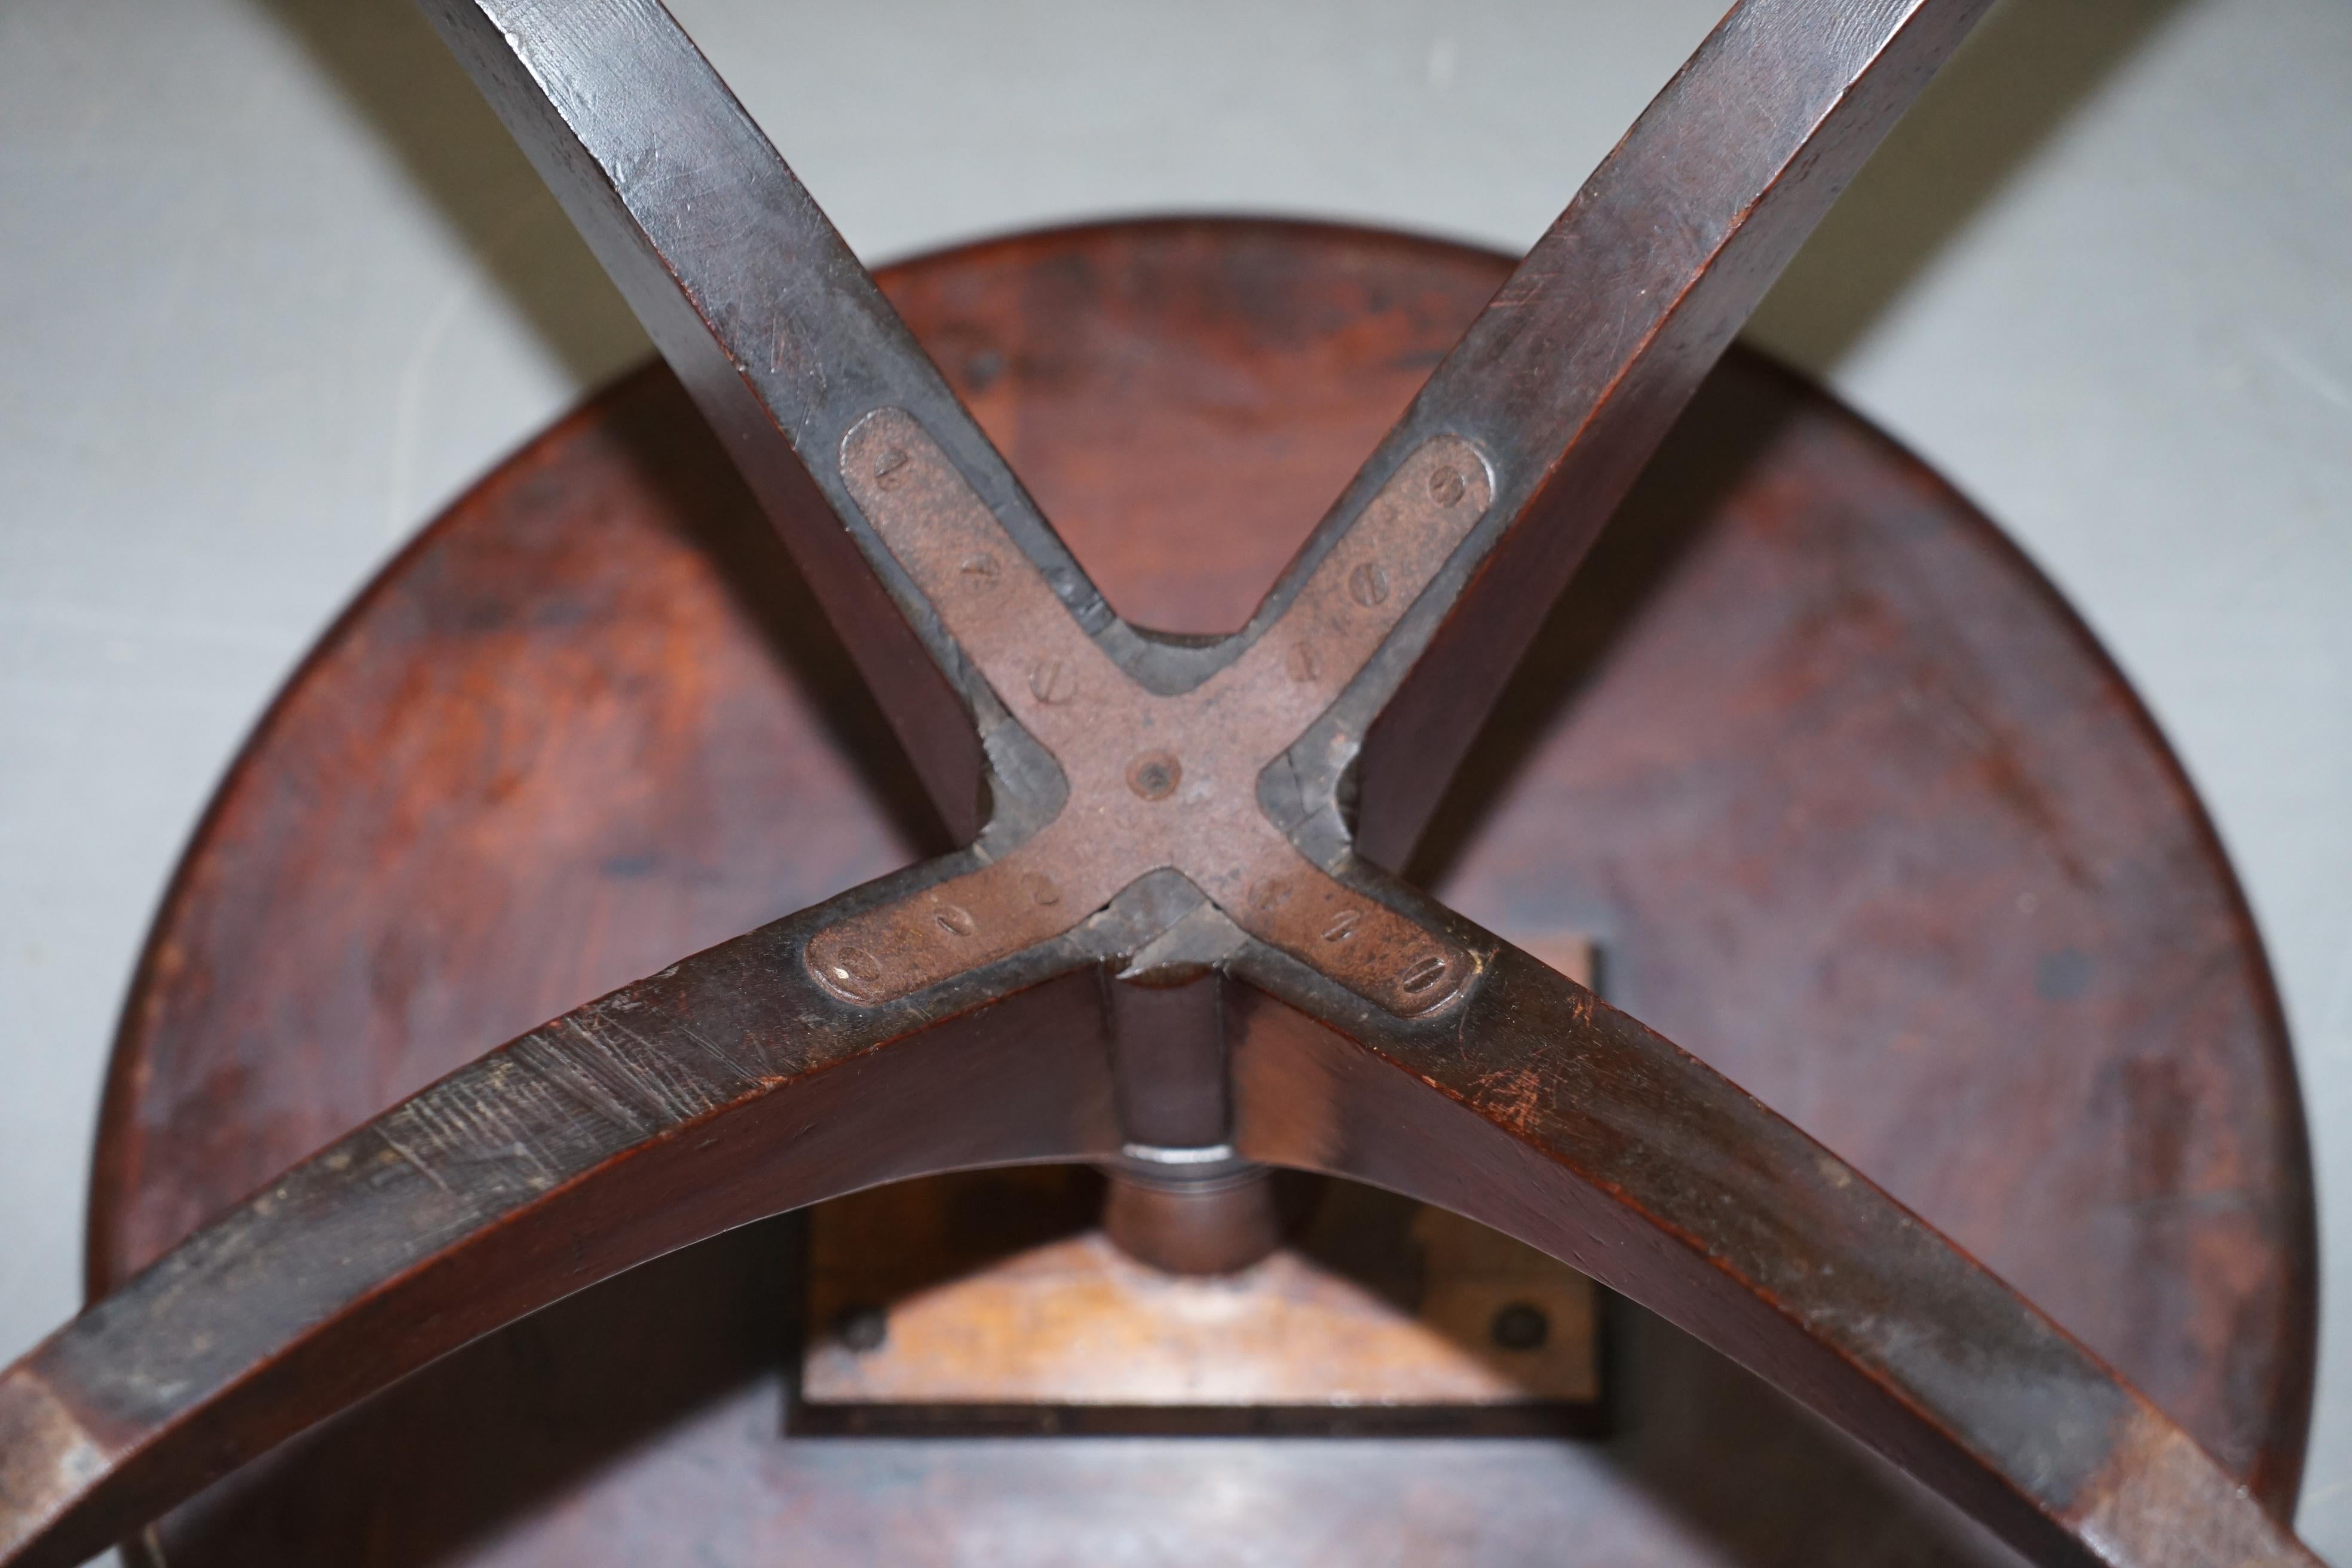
x,y
423,1169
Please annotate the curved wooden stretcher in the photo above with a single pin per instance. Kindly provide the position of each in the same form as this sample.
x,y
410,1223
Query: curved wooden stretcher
x,y
1172,935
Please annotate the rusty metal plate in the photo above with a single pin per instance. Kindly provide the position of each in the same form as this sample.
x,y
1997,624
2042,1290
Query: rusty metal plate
x,y
1154,780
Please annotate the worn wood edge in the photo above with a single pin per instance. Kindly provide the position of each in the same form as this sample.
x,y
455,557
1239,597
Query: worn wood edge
x,y
2090,1471
113,1154
2278,1480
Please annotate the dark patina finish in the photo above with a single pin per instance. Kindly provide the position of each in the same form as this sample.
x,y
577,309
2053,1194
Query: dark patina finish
x,y
1383,1038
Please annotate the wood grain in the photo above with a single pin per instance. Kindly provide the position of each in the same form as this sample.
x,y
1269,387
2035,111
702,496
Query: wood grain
x,y
2122,1128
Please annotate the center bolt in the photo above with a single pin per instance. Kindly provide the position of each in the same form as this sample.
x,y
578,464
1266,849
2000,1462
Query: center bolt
x,y
1153,775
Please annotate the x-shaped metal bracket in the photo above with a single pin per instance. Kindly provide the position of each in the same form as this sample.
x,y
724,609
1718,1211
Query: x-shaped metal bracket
x,y
1153,808
1198,782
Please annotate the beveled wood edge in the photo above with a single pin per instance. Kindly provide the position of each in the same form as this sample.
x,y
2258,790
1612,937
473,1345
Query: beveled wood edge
x,y
1554,1118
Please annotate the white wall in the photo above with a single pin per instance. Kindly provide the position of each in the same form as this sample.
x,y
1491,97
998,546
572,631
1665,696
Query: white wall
x,y
273,286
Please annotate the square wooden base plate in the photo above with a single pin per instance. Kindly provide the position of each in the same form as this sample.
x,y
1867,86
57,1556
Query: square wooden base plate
x,y
1383,1315
991,1302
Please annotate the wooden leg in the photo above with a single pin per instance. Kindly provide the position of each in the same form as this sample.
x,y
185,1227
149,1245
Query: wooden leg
x,y
724,1089
1553,1117
1158,808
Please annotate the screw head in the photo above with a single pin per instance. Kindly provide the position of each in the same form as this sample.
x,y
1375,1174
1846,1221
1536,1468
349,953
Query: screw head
x,y
1422,973
1446,484
955,920
862,1327
853,973
1271,893
1042,889
980,571
890,467
1369,584
1053,682
1521,1326
1154,774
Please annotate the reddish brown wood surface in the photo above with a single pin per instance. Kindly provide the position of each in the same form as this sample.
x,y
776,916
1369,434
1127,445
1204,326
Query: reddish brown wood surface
x,y
1574,372
1857,812
1200,817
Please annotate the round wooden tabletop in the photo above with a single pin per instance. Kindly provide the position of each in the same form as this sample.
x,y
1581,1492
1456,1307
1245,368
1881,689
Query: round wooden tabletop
x,y
1851,804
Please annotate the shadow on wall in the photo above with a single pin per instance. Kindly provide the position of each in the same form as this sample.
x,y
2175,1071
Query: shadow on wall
x,y
394,71
2012,87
